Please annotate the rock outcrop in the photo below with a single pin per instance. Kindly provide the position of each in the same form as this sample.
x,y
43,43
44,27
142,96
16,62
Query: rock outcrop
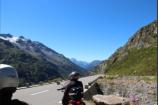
x,y
110,100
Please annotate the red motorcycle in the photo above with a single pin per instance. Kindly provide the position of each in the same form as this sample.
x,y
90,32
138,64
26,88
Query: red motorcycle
x,y
73,102
76,102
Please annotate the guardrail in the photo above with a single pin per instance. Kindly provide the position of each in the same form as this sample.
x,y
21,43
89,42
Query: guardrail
x,y
91,89
92,82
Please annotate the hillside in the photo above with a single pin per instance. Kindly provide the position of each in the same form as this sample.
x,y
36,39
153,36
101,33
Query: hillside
x,y
136,57
34,61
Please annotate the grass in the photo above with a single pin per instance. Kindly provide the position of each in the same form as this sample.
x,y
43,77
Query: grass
x,y
149,78
131,79
137,62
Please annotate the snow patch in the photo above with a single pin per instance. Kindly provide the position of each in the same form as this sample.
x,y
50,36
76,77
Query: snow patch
x,y
10,39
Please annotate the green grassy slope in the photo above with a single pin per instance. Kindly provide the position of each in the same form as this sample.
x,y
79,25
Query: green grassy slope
x,y
137,62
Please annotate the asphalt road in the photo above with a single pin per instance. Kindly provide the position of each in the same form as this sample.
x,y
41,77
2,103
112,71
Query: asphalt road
x,y
46,94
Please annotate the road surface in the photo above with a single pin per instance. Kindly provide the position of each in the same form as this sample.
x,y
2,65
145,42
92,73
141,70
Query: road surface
x,y
46,94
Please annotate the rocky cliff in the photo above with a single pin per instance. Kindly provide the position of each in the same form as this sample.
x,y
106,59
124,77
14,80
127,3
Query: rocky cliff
x,y
136,57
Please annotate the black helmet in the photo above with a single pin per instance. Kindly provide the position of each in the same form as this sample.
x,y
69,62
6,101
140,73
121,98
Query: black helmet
x,y
74,75
8,77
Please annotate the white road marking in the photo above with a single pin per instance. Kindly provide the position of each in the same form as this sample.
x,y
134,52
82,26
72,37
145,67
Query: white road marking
x,y
40,92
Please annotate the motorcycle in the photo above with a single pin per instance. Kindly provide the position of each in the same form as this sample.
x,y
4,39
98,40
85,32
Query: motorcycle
x,y
76,102
73,102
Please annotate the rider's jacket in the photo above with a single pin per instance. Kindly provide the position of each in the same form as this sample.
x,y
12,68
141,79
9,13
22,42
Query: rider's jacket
x,y
13,102
6,97
73,91
17,102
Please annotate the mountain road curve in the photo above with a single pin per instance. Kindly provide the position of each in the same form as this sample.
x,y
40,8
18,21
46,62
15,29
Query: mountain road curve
x,y
47,94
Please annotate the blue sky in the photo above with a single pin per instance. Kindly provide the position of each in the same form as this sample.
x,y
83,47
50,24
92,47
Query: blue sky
x,y
82,29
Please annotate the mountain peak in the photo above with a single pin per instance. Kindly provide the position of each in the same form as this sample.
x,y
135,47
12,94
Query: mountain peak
x,y
144,37
22,37
136,57
6,35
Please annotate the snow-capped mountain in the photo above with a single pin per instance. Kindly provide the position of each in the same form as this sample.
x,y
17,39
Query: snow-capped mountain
x,y
9,38
27,51
37,49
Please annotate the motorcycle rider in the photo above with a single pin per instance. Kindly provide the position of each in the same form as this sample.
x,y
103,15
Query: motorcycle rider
x,y
73,90
8,85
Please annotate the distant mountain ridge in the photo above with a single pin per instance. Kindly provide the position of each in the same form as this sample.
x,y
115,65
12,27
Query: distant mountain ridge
x,y
93,64
86,65
136,57
34,61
